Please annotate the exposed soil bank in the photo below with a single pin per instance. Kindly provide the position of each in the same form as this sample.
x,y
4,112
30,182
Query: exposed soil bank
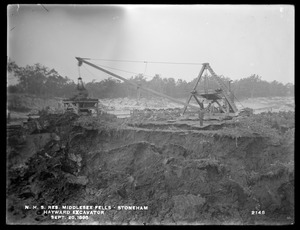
x,y
194,177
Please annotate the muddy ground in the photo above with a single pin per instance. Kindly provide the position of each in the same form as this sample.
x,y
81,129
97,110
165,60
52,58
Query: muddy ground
x,y
239,171
22,105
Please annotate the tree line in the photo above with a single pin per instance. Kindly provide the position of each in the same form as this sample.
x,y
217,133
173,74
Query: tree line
x,y
41,81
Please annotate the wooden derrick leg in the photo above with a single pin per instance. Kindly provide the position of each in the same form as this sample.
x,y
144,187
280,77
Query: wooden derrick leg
x,y
220,106
187,102
200,103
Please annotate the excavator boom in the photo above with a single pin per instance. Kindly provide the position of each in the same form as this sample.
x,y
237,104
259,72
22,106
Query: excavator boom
x,y
82,60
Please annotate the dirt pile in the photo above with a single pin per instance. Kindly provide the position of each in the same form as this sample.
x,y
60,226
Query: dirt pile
x,y
183,176
143,103
154,115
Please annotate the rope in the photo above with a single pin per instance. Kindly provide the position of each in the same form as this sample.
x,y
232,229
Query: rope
x,y
79,71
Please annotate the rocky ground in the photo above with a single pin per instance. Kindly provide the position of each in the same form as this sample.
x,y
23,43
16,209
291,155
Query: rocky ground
x,y
235,172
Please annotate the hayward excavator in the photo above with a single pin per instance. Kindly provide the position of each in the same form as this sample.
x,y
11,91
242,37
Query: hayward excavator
x,y
219,102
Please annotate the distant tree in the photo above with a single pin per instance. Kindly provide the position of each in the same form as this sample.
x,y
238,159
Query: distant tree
x,y
38,80
41,81
12,66
157,83
253,82
290,89
181,88
278,89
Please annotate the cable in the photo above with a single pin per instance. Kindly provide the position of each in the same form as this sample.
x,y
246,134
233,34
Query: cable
x,y
112,60
109,68
153,62
123,70
90,72
79,71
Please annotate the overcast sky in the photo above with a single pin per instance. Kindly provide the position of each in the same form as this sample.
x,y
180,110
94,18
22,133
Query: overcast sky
x,y
237,41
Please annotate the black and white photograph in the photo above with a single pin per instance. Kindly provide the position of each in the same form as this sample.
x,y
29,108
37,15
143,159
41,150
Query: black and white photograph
x,y
150,114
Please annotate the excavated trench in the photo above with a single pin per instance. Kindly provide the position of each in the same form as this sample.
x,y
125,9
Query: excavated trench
x,y
184,177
